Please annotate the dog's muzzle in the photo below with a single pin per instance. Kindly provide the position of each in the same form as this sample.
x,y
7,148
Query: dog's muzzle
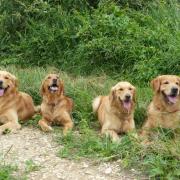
x,y
127,102
2,88
53,88
173,96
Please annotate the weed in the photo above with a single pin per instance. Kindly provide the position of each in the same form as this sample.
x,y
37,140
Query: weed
x,y
31,166
6,171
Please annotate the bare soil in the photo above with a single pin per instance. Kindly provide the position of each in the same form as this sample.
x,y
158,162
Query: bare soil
x,y
31,144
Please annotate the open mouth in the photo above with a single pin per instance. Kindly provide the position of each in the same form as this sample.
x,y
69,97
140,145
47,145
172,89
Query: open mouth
x,y
126,104
53,88
171,99
3,90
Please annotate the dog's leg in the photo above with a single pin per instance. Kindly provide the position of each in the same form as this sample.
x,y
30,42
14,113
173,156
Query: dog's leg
x,y
67,126
114,136
11,119
146,128
43,123
66,121
128,126
146,132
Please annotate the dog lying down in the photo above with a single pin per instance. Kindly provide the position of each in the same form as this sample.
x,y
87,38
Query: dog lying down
x,y
116,111
14,105
164,110
56,107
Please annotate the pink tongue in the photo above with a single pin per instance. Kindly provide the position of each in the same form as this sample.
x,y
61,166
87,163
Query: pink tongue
x,y
127,105
1,92
172,99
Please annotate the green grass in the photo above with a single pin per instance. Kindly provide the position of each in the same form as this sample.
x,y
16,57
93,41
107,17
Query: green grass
x,y
159,160
6,172
31,166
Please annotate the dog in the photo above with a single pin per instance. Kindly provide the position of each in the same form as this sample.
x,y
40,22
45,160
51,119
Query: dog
x,y
14,105
56,107
116,111
164,110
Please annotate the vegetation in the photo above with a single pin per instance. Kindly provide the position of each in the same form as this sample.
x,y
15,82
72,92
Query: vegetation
x,y
6,172
117,37
94,44
161,159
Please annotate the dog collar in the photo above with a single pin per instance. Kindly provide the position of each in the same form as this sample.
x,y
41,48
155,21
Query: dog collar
x,y
176,110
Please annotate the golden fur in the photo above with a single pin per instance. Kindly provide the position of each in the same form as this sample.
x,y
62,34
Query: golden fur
x,y
55,107
164,110
14,105
115,112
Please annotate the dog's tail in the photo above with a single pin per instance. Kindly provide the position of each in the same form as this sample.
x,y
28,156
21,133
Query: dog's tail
x,y
96,103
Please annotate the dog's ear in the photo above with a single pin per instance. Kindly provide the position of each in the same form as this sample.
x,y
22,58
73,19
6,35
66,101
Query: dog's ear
x,y
155,84
42,89
61,87
134,94
179,80
14,79
112,95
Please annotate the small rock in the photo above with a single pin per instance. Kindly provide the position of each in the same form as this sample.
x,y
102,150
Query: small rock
x,y
88,172
85,165
108,170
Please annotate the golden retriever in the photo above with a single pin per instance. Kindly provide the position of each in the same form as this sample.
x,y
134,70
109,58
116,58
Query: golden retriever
x,y
116,111
164,110
56,107
14,105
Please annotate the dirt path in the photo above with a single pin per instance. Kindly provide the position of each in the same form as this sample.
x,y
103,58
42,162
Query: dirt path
x,y
31,144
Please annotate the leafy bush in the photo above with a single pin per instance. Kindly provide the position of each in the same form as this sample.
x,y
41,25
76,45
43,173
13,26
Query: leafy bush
x,y
138,38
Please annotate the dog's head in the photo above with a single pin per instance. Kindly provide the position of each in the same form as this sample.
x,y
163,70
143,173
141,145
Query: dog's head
x,y
52,85
123,94
8,83
168,86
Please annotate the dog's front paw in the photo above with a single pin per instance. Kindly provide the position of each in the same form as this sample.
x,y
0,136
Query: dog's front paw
x,y
47,128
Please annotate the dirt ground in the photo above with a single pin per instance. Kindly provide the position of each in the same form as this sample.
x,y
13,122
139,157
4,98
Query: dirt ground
x,y
31,144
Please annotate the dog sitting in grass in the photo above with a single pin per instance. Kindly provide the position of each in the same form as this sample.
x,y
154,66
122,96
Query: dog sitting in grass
x,y
56,107
164,110
116,111
14,105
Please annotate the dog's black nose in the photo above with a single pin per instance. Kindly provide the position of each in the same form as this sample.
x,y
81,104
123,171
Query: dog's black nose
x,y
127,97
174,90
54,81
1,82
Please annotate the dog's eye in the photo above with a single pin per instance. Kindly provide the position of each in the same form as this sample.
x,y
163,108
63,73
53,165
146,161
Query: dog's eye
x,y
166,82
130,89
121,89
49,77
6,77
177,83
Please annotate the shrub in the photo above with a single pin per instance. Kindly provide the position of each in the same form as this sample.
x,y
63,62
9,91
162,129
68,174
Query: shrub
x,y
132,38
